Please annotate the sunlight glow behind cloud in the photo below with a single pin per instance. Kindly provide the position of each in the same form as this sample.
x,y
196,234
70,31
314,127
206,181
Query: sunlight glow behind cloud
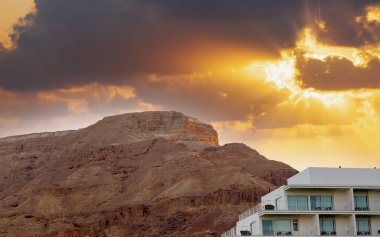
x,y
304,93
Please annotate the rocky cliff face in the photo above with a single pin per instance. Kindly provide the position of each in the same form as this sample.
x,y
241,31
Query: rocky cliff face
x,y
140,174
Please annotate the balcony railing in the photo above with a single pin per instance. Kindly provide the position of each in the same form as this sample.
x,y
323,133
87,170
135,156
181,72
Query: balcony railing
x,y
372,206
331,233
283,206
305,231
302,231
251,211
230,233
363,232
337,235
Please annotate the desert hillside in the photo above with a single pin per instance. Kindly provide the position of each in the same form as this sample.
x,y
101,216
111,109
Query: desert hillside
x,y
138,174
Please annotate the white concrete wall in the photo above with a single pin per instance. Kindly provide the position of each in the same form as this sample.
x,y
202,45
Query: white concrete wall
x,y
279,192
374,200
271,197
245,224
301,178
307,225
343,199
353,223
343,225
337,177
375,225
257,228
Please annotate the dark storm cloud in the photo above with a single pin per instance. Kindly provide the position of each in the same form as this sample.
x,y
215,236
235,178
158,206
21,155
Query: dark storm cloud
x,y
342,27
336,73
74,42
69,43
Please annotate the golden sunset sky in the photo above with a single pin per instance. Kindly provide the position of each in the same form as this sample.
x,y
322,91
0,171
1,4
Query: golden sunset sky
x,y
296,80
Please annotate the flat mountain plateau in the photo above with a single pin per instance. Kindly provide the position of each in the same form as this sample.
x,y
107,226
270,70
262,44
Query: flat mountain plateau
x,y
139,174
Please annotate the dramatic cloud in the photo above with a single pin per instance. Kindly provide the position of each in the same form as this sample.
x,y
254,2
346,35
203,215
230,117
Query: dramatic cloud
x,y
346,23
66,43
336,73
218,95
77,98
270,73
326,67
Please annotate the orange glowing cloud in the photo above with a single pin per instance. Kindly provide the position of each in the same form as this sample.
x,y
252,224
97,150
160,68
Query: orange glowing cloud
x,y
10,12
76,97
373,13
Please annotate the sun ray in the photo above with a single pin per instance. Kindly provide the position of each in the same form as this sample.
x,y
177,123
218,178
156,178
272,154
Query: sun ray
x,y
282,73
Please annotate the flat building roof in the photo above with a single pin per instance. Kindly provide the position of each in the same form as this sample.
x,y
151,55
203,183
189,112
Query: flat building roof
x,y
335,177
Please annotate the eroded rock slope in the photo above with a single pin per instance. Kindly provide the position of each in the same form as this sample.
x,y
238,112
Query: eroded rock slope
x,y
139,174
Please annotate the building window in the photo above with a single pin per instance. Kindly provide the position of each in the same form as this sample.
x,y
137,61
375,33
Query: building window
x,y
298,202
268,228
361,203
327,227
295,225
277,227
363,227
321,203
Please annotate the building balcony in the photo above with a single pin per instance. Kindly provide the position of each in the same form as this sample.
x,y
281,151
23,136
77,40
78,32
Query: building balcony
x,y
337,206
239,235
303,231
233,233
269,207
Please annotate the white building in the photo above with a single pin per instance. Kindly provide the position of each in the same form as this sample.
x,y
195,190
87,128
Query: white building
x,y
315,202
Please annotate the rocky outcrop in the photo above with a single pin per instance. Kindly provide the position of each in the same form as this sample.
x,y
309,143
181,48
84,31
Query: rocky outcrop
x,y
135,127
140,174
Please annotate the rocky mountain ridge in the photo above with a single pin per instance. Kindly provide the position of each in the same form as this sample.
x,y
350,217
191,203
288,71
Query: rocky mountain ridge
x,y
140,174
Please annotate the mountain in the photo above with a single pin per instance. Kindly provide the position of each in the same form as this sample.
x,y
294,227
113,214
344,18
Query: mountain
x,y
137,174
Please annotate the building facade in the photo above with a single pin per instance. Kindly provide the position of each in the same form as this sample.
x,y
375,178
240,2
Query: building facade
x,y
317,202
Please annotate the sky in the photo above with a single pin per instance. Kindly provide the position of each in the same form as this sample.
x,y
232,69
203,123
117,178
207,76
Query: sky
x,y
297,80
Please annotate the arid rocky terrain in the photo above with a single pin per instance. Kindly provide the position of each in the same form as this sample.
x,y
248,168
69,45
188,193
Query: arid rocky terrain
x,y
139,174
